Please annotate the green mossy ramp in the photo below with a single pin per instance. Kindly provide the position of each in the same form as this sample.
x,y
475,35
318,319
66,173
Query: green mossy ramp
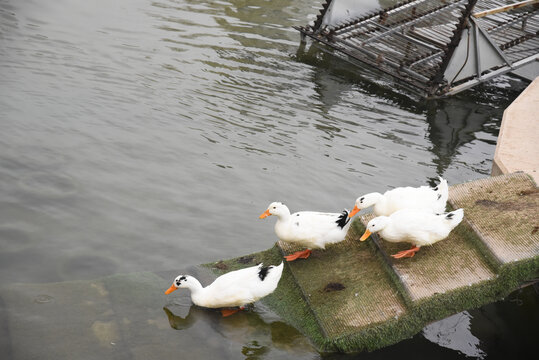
x,y
347,287
447,265
353,296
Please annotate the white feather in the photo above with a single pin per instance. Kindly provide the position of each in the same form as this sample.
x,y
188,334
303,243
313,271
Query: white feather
x,y
423,197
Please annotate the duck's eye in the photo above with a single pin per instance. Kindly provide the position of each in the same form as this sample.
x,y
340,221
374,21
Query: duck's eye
x,y
275,207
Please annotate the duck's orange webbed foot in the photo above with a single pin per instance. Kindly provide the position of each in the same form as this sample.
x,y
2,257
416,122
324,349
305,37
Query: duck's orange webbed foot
x,y
406,253
304,254
228,312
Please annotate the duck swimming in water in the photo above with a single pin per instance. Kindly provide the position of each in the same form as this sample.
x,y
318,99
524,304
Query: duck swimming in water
x,y
233,289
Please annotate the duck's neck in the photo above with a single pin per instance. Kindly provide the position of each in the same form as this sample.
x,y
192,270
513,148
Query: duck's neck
x,y
283,215
380,203
197,290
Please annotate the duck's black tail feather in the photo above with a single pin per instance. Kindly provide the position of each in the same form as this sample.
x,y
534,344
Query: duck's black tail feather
x,y
264,271
343,219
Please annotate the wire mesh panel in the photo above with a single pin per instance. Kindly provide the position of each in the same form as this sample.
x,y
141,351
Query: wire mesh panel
x,y
433,45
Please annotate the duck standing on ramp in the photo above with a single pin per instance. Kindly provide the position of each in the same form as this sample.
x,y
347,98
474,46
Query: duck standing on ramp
x,y
414,226
311,229
423,197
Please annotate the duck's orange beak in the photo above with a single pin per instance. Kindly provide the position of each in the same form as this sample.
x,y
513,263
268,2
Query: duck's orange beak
x,y
354,211
365,235
265,214
171,289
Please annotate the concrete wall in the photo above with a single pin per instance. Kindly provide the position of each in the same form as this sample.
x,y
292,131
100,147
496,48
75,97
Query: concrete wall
x,y
518,142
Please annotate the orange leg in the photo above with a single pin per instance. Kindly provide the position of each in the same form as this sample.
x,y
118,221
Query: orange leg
x,y
406,253
298,255
228,312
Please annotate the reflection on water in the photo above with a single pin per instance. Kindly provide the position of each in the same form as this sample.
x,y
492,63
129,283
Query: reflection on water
x,y
259,333
146,136
454,333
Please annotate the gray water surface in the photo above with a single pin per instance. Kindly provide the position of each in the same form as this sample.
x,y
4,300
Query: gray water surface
x,y
148,136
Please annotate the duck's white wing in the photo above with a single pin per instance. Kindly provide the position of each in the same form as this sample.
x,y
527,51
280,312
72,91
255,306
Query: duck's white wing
x,y
410,197
244,286
420,225
232,288
315,225
236,277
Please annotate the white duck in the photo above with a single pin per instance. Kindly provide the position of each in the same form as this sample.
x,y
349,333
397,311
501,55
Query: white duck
x,y
415,226
308,228
236,288
422,197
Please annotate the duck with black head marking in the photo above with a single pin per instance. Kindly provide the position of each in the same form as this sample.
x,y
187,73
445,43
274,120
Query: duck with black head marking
x,y
233,289
311,229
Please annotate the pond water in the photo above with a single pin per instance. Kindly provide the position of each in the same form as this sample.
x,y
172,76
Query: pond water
x,y
149,135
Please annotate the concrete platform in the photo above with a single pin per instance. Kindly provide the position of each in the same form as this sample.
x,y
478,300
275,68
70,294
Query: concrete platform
x,y
518,141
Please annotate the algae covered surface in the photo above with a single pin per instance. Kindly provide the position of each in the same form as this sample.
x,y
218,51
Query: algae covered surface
x,y
503,210
353,296
444,266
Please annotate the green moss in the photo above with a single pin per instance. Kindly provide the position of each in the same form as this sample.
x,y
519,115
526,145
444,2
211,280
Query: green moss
x,y
353,297
309,315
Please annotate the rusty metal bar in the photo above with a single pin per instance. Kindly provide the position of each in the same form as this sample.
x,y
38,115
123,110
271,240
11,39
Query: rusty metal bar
x,y
511,22
375,57
419,18
428,58
397,7
517,41
417,85
412,39
504,8
399,16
